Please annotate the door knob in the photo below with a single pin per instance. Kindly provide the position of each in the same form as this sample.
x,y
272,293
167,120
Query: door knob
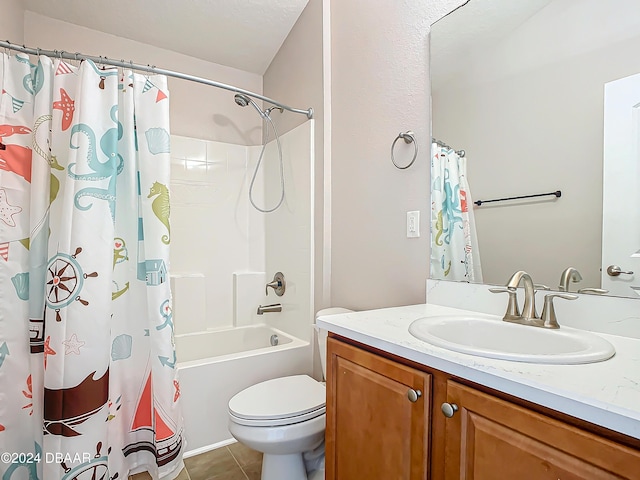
x,y
615,270
413,395
449,409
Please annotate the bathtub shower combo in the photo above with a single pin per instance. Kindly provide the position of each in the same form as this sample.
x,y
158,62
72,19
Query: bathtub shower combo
x,y
238,213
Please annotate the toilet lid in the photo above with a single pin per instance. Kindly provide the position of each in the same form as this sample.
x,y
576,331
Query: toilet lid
x,y
279,398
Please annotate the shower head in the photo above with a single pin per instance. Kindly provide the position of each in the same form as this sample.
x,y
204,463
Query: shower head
x,y
244,100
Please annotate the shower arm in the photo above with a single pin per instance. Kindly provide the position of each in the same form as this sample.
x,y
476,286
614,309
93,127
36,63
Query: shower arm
x,y
149,69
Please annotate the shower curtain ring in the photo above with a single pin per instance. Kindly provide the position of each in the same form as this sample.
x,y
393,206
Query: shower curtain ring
x,y
408,137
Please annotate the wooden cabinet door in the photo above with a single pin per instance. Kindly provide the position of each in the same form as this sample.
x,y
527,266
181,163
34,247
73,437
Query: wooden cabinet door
x,y
373,430
490,439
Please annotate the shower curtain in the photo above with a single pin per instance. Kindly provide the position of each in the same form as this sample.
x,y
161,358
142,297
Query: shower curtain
x,y
454,244
88,385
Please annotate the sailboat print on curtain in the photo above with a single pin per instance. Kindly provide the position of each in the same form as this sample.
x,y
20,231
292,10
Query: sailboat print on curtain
x,y
165,441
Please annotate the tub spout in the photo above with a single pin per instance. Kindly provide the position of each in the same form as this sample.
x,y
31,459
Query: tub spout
x,y
276,307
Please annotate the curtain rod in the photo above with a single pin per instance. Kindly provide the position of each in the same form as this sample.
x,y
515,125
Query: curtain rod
x,y
460,153
149,69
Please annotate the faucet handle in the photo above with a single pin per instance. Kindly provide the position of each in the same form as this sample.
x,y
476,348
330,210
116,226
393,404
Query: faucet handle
x,y
513,311
278,284
594,291
540,286
548,316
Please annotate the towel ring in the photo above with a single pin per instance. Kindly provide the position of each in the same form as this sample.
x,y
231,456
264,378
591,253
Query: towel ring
x,y
408,137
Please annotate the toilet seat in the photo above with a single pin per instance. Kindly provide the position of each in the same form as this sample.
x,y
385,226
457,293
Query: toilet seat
x,y
280,401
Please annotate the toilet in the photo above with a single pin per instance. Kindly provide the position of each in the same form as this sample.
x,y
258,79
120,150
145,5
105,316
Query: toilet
x,y
284,418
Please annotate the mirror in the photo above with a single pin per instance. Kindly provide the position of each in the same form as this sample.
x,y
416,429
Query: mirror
x,y
519,86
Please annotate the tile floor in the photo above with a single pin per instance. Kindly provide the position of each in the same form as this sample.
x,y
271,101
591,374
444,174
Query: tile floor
x,y
233,462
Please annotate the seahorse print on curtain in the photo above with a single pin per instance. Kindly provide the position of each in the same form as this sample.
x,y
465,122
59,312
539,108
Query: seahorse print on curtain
x,y
161,207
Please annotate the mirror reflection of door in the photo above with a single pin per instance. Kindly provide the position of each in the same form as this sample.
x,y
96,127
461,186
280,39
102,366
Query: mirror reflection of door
x,y
519,85
621,191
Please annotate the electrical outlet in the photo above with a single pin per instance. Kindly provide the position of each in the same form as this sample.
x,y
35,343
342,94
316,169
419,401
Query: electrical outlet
x,y
413,224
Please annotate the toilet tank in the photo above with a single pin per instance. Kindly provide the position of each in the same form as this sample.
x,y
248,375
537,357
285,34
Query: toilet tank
x,y
321,335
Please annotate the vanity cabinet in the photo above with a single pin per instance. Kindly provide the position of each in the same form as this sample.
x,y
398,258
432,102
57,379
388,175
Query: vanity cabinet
x,y
375,432
378,415
489,438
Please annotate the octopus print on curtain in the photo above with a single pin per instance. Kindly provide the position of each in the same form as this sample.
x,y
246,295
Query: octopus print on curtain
x,y
88,384
454,244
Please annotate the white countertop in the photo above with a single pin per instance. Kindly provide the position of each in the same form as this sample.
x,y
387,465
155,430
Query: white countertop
x,y
604,393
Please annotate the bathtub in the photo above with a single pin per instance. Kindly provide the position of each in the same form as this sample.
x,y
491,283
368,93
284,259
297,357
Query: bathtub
x,y
215,365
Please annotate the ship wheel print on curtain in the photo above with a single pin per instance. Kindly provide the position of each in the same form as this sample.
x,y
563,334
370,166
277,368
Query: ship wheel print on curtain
x,y
65,279
96,468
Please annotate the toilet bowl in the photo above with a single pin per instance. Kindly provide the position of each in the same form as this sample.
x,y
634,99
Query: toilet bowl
x,y
284,418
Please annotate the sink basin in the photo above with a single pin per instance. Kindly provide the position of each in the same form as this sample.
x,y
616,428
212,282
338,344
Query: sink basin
x,y
493,338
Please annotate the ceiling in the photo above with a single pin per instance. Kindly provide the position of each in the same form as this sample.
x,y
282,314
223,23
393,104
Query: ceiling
x,y
503,37
475,25
244,34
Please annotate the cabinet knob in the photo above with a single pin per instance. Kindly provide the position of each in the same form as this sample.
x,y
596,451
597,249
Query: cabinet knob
x,y
413,395
449,409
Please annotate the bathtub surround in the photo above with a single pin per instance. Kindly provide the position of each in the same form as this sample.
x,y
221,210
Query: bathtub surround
x,y
230,251
246,291
216,234
189,301
224,246
87,357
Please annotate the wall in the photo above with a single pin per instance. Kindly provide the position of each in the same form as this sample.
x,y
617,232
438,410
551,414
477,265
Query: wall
x,y
295,77
11,21
379,87
197,110
538,126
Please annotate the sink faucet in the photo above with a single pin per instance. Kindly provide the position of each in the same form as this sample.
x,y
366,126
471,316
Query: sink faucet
x,y
529,316
569,274
529,307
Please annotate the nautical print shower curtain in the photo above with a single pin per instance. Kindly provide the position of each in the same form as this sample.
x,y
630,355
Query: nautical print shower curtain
x,y
454,244
88,385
